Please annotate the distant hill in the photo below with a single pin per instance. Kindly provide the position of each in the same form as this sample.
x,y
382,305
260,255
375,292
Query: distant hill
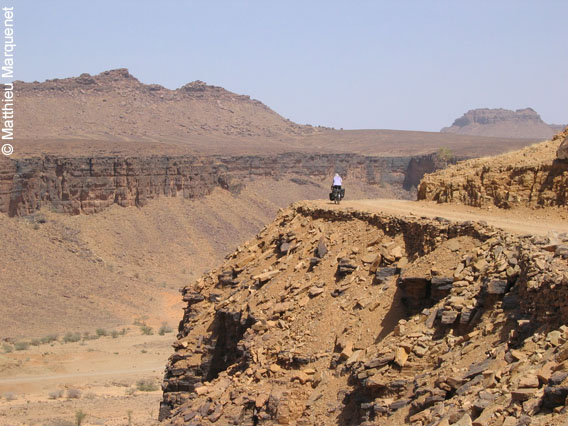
x,y
115,103
522,123
114,113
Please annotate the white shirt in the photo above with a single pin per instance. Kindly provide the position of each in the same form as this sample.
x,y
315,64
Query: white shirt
x,y
337,181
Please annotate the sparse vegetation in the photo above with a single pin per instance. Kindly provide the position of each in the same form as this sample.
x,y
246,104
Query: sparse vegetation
x,y
130,391
73,393
49,338
7,348
71,337
79,417
9,396
89,336
21,346
55,394
90,395
146,385
141,320
35,342
445,154
114,334
101,332
146,330
165,328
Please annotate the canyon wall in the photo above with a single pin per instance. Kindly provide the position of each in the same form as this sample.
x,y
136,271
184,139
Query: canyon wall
x,y
89,185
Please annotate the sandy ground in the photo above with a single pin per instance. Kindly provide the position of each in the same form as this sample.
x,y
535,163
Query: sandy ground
x,y
518,221
103,373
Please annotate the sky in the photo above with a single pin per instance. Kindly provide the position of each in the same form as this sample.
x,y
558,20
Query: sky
x,y
400,64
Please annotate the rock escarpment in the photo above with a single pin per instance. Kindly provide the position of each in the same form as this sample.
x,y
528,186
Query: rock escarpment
x,y
347,317
531,177
522,123
88,185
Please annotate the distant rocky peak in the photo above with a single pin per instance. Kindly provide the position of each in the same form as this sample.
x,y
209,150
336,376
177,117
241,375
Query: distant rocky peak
x,y
499,122
495,115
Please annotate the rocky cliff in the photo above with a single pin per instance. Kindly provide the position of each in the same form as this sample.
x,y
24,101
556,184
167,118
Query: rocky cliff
x,y
346,317
522,123
88,185
531,177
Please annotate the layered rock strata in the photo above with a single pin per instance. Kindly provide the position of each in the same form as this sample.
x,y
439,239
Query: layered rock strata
x,y
88,185
347,317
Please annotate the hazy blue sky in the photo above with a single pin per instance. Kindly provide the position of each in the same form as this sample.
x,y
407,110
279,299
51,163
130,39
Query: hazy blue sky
x,y
353,64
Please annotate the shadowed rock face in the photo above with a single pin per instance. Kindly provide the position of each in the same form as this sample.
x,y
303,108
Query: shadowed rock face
x,y
522,123
89,185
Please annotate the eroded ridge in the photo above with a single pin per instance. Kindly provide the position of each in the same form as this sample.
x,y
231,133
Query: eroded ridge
x,y
348,317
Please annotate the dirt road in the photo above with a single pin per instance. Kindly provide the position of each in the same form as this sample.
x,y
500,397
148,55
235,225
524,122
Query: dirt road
x,y
518,221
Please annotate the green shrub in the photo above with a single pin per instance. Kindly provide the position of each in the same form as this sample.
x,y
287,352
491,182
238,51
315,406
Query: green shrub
x,y
79,417
71,337
146,385
146,330
21,346
114,334
445,154
102,332
49,338
165,328
7,348
35,342
89,336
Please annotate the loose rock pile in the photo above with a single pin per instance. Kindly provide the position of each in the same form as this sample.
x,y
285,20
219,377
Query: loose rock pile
x,y
345,317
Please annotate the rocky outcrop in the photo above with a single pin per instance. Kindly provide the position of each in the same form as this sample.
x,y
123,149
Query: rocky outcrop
x,y
530,177
399,321
522,123
562,152
89,185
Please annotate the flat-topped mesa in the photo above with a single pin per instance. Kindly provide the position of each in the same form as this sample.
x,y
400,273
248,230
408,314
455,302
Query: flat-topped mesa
x,y
340,316
536,176
522,123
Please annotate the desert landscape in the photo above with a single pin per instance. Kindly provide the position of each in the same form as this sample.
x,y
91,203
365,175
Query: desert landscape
x,y
170,254
101,233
